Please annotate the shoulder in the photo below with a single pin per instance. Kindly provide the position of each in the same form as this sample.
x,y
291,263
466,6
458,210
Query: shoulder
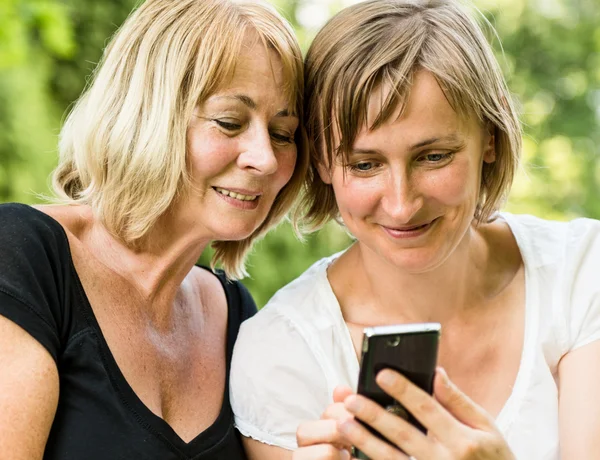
x,y
565,255
21,220
300,303
216,289
277,357
562,261
48,223
30,236
548,242
35,273
290,331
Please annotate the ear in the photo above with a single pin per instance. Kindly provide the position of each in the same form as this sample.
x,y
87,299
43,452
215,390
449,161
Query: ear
x,y
324,172
489,148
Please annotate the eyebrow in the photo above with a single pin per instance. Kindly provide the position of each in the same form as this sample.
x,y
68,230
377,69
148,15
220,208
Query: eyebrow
x,y
452,138
249,102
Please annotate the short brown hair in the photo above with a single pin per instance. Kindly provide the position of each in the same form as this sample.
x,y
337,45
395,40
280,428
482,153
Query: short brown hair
x,y
385,42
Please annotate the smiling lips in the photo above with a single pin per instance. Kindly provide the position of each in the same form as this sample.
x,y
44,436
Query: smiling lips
x,y
409,232
237,196
409,229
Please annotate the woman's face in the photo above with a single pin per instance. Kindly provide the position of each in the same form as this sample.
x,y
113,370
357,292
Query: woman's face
x,y
409,191
241,147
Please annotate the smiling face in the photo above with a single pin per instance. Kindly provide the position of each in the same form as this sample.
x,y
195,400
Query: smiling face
x,y
411,186
241,147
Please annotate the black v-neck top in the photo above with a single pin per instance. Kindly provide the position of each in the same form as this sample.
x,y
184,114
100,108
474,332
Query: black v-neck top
x,y
99,417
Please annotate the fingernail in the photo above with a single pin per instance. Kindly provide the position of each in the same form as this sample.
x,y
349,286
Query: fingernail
x,y
352,403
386,377
444,376
344,454
346,426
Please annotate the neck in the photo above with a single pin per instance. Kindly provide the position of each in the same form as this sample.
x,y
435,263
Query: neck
x,y
158,267
382,293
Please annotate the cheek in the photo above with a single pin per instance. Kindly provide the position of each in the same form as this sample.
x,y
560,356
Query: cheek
x,y
206,155
286,164
289,164
356,196
455,185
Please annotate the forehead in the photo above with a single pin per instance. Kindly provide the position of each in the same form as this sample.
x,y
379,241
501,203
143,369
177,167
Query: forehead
x,y
256,61
425,111
257,71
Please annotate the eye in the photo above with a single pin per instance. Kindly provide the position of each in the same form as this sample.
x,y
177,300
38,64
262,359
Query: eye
x,y
228,125
435,158
282,138
362,166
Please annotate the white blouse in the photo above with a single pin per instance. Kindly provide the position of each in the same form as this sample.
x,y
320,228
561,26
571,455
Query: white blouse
x,y
291,355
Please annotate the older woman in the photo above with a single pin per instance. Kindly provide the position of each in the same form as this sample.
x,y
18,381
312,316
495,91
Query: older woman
x,y
113,344
414,146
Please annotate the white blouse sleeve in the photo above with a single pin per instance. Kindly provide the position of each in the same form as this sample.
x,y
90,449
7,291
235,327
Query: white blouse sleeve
x,y
276,381
582,275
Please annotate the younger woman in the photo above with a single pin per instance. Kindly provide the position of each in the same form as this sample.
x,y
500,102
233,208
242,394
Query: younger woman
x,y
415,142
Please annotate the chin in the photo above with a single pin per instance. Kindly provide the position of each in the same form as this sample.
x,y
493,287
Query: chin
x,y
237,234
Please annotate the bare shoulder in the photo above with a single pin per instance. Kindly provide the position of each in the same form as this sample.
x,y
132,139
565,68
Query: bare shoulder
x,y
73,218
207,286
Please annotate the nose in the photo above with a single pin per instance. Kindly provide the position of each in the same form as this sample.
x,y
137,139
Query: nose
x,y
258,156
402,199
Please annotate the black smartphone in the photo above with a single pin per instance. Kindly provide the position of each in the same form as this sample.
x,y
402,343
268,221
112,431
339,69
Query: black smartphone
x,y
410,349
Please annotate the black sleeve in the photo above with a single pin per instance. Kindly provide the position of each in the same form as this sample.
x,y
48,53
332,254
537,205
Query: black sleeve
x,y
247,304
34,260
238,296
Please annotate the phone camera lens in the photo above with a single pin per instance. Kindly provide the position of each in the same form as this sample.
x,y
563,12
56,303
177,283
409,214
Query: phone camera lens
x,y
393,341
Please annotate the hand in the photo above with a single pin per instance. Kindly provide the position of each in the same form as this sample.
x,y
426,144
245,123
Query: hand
x,y
321,439
457,427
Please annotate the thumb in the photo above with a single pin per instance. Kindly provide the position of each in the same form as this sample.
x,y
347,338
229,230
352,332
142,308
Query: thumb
x,y
341,392
459,404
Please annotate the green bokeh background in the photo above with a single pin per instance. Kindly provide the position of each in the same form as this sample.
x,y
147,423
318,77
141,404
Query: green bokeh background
x,y
550,52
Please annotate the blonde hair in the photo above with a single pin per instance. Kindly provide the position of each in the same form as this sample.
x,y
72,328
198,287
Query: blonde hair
x,y
123,146
385,42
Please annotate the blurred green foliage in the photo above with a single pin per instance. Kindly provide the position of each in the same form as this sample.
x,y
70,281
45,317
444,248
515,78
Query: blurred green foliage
x,y
550,52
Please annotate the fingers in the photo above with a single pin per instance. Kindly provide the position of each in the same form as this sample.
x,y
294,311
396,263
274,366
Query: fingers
x,y
325,431
395,429
341,392
320,452
369,444
336,411
321,432
459,428
429,412
459,404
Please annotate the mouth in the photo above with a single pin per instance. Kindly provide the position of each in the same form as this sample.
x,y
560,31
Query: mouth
x,y
409,231
411,228
236,195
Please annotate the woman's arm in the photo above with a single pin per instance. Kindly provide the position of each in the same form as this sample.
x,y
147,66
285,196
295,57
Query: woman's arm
x,y
317,440
579,407
256,450
321,450
29,388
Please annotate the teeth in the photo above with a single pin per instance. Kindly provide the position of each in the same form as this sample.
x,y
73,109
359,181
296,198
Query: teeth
x,y
237,196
